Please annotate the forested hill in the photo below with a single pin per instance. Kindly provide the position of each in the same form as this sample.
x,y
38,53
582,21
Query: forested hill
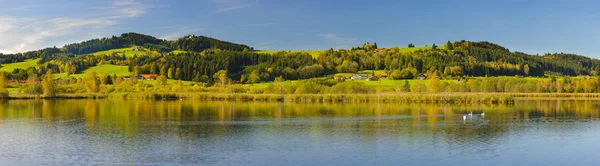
x,y
187,43
200,58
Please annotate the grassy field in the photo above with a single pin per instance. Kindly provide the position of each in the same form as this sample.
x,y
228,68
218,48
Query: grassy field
x,y
129,52
416,48
102,69
314,53
23,65
179,52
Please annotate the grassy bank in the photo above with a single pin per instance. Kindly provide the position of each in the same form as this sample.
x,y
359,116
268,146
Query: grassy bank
x,y
350,98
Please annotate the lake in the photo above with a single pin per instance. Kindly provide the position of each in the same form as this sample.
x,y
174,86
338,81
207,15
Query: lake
x,y
131,132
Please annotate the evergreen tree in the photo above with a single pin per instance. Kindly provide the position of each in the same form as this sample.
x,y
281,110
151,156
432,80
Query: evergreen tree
x,y
406,86
449,46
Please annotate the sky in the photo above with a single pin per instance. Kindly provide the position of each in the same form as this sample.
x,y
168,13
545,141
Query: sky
x,y
530,26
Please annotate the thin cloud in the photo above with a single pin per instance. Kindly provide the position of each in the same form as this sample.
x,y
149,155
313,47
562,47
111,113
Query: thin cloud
x,y
176,31
241,6
231,5
254,25
20,34
339,41
19,8
179,33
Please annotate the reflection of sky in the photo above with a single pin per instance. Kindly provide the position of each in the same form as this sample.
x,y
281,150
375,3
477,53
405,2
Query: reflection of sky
x,y
179,132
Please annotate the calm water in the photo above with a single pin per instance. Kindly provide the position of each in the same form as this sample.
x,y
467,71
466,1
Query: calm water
x,y
113,132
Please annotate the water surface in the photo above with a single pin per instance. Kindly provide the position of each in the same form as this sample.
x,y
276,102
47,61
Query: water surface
x,y
129,132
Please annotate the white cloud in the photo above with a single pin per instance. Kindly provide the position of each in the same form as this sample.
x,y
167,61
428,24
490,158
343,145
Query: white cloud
x,y
339,41
19,34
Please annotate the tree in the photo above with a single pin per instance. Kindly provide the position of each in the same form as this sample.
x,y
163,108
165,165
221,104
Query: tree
x,y
254,77
433,46
48,84
33,84
161,80
221,77
473,85
92,83
279,84
170,73
136,70
434,84
449,46
526,69
418,87
3,91
368,47
406,86
163,70
177,73
410,45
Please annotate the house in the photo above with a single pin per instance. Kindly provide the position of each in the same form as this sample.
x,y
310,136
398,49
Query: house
x,y
139,78
378,50
383,75
422,76
149,76
372,78
359,77
340,78
126,78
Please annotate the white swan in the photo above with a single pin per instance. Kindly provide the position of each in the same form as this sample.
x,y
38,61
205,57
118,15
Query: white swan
x,y
471,114
483,114
464,117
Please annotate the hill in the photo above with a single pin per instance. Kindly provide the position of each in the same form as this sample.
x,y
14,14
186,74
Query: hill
x,y
203,59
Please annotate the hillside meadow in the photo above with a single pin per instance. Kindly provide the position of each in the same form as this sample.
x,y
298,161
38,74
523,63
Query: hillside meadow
x,y
9,67
128,52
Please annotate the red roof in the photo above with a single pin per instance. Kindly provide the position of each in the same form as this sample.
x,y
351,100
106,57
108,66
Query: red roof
x,y
149,76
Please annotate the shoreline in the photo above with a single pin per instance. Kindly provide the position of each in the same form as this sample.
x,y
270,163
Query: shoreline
x,y
450,98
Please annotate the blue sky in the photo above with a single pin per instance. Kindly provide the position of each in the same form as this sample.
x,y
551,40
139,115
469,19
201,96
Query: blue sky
x,y
532,26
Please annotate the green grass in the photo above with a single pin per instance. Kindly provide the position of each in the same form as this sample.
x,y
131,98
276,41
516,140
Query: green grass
x,y
23,65
316,53
313,53
416,48
129,52
101,69
179,52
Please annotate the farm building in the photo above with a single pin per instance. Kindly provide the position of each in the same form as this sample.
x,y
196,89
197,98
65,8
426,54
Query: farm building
x,y
148,76
359,77
422,76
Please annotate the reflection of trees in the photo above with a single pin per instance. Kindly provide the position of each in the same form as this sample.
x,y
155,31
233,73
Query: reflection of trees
x,y
192,119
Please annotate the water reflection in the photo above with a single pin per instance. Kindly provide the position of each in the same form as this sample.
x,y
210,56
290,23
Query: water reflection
x,y
190,132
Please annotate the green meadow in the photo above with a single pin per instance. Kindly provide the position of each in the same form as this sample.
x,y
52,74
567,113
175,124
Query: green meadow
x,y
179,52
101,69
23,65
313,53
129,52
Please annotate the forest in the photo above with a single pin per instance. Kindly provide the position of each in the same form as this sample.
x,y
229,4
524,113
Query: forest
x,y
209,62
